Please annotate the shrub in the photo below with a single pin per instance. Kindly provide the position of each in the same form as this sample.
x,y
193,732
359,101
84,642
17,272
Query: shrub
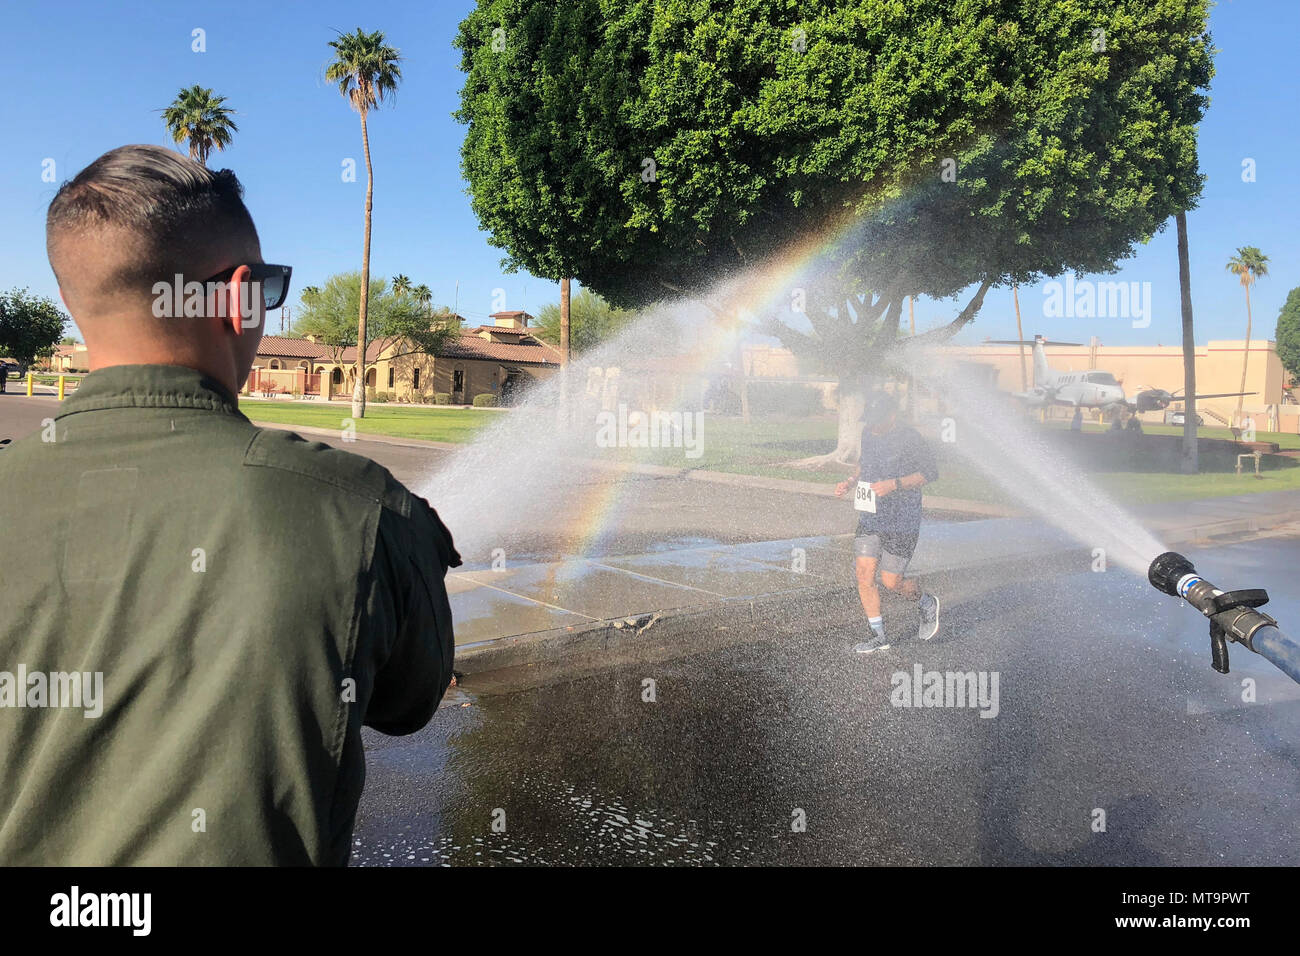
x,y
381,398
442,398
486,400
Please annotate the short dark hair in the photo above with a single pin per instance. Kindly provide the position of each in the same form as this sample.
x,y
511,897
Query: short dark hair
x,y
173,204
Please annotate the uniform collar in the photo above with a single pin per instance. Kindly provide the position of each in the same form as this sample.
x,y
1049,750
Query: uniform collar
x,y
149,386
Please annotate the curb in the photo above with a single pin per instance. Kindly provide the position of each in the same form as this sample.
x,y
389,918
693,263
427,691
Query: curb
x,y
1219,529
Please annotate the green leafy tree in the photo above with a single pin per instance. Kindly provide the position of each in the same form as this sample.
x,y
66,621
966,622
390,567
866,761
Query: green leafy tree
x,y
399,325
366,70
198,117
1287,335
930,148
401,283
592,320
30,326
1248,265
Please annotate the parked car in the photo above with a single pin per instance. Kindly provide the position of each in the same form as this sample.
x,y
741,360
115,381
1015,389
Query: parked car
x,y
1178,418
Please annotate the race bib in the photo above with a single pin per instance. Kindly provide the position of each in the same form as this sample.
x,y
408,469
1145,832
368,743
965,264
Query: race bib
x,y
864,499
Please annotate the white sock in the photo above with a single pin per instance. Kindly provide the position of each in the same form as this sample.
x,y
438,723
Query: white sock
x,y
877,625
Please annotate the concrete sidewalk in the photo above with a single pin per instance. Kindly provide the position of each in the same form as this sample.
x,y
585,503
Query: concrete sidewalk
x,y
527,614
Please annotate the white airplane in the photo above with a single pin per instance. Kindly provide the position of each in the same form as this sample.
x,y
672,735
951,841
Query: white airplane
x,y
1091,389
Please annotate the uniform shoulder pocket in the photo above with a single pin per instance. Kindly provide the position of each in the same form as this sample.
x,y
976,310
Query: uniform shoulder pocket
x,y
287,451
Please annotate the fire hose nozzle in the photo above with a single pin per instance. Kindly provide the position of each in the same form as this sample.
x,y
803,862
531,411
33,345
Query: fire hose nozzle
x,y
1232,614
1167,571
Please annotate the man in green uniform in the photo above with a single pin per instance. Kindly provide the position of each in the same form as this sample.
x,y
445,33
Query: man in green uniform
x,y
197,616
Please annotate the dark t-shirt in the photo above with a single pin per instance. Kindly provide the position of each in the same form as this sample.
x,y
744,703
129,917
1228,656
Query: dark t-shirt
x,y
897,453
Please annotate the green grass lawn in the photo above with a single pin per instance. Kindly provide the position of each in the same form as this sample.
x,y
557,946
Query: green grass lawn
x,y
765,448
1143,488
429,424
1285,440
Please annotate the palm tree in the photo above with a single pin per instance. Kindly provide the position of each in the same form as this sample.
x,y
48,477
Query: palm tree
x,y
1248,265
365,69
401,284
423,295
1191,447
197,116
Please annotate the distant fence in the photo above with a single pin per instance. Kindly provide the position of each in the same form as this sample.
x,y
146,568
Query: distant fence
x,y
283,381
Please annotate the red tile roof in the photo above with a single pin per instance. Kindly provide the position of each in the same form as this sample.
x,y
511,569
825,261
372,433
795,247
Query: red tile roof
x,y
282,346
470,345
349,356
473,346
501,330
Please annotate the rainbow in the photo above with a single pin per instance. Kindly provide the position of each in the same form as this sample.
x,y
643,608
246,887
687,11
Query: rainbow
x,y
753,292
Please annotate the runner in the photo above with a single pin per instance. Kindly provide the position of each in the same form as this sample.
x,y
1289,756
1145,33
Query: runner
x,y
895,463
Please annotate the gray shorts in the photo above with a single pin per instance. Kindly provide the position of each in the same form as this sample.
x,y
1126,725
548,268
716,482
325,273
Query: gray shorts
x,y
891,548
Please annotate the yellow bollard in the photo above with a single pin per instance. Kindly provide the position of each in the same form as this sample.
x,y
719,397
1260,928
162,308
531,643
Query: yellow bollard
x,y
60,388
30,378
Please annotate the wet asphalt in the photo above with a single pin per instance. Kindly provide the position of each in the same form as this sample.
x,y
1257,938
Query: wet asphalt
x,y
1114,743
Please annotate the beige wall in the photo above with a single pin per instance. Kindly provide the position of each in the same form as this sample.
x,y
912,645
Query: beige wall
x,y
436,375
1218,368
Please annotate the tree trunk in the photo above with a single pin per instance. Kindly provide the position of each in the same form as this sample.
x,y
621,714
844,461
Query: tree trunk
x,y
359,389
742,380
1190,460
1245,355
732,312
564,321
848,440
853,394
564,412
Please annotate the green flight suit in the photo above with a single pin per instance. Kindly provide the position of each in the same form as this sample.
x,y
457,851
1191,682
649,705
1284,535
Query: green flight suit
x,y
250,600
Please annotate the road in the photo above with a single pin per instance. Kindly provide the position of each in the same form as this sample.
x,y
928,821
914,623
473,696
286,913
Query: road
x,y
1107,705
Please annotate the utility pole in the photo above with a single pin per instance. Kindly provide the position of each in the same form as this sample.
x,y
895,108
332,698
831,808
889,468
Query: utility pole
x,y
1020,334
1190,459
911,379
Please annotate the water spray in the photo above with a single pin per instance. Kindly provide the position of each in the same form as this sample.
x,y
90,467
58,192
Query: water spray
x,y
1233,615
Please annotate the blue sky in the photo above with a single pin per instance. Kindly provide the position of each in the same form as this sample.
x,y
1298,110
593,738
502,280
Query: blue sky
x,y
95,74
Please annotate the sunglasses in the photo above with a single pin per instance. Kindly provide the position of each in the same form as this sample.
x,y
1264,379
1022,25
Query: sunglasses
x,y
273,280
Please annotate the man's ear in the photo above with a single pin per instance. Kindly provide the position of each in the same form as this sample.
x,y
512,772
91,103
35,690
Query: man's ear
x,y
237,290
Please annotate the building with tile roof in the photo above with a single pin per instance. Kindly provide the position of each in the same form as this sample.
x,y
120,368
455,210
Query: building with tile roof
x,y
501,359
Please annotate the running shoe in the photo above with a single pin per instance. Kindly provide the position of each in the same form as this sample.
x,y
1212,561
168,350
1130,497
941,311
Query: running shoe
x,y
929,624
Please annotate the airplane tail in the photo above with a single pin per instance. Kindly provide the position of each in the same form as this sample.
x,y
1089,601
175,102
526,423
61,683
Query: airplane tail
x,y
1041,373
